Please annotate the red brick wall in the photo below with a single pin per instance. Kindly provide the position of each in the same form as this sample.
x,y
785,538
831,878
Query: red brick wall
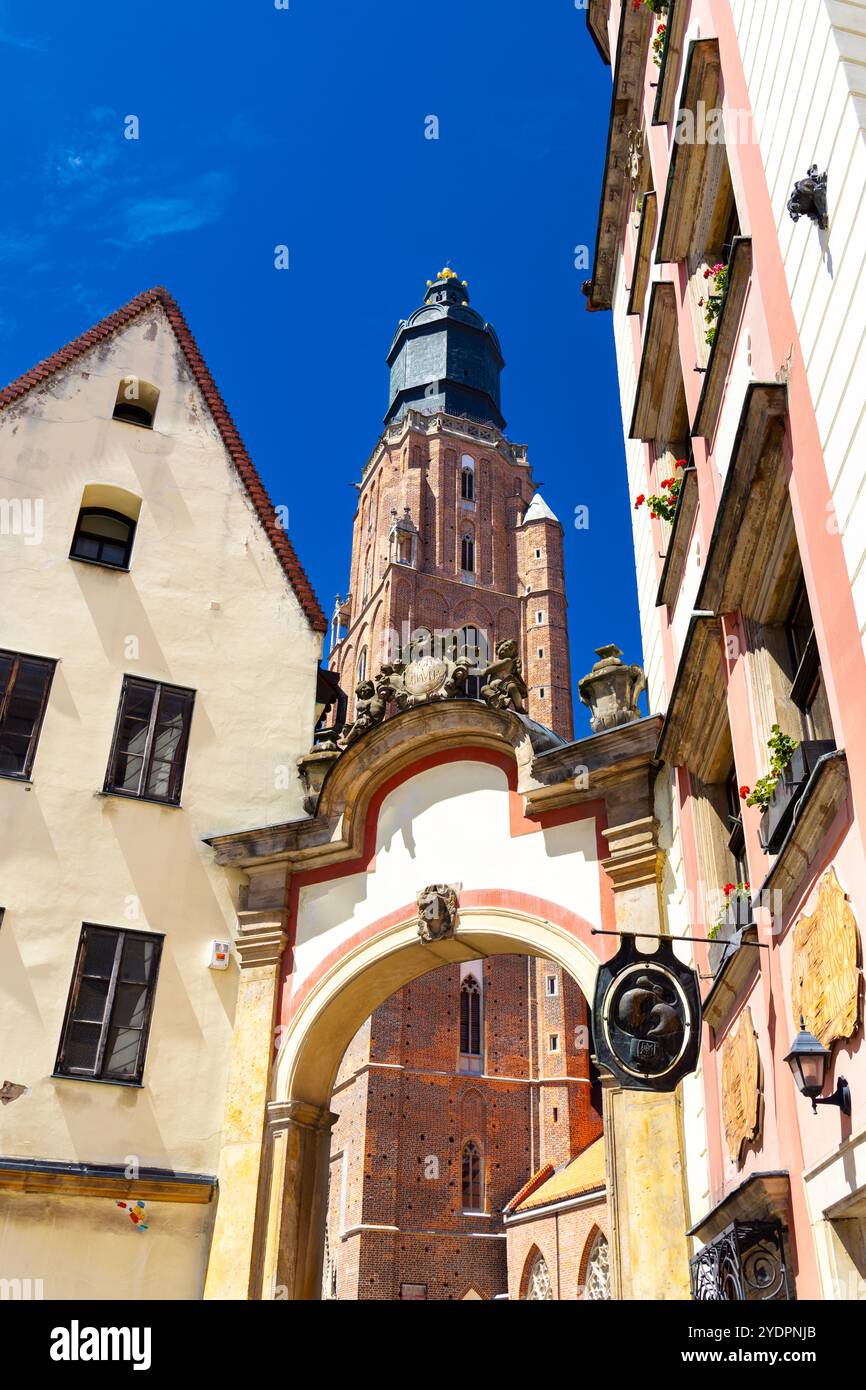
x,y
564,1239
406,1110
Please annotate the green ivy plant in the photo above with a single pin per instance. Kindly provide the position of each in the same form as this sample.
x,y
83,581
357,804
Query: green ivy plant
x,y
782,748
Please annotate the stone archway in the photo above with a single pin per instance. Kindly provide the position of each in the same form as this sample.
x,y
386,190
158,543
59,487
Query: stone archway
x,y
294,1191
328,929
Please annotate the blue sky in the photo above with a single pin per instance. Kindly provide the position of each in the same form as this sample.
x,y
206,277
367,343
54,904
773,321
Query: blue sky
x,y
305,127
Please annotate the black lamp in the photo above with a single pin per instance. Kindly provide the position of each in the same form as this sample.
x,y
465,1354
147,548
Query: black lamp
x,y
808,1060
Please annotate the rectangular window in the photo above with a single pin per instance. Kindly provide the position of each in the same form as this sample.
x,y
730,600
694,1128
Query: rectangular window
x,y
554,1042
807,690
541,653
110,1005
24,685
551,985
541,693
539,617
555,1114
150,741
538,554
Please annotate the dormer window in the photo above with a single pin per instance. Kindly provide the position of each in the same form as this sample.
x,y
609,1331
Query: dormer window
x,y
136,402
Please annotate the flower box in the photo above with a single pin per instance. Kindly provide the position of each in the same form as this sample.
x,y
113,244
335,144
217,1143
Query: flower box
x,y
776,820
737,916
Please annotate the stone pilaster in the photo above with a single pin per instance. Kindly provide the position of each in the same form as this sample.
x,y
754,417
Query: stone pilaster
x,y
643,1132
298,1141
260,942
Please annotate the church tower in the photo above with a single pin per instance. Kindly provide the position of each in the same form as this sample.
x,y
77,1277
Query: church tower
x,y
453,548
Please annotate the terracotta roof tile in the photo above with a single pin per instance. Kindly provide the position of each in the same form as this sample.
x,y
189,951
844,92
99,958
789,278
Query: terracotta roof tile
x,y
246,469
584,1173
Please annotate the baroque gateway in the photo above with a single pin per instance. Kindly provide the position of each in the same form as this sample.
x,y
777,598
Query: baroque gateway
x,y
458,1006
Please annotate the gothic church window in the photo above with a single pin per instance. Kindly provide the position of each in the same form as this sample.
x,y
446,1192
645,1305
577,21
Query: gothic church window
x,y
539,1287
597,1281
470,1017
467,553
471,1177
467,484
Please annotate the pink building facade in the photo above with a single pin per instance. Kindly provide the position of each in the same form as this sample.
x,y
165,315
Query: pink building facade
x,y
741,361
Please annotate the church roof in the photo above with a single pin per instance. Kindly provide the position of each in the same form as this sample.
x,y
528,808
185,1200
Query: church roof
x,y
539,511
253,485
583,1174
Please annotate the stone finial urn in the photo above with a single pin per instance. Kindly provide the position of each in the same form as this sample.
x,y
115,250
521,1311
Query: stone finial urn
x,y
611,690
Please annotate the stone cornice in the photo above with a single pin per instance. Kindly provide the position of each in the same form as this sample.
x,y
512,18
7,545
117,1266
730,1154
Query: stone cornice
x,y
697,708
591,767
753,511
659,403
625,115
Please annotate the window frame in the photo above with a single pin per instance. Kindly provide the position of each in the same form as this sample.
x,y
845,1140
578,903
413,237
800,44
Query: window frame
x,y
470,991
476,1176
158,687
467,552
115,516
122,934
35,733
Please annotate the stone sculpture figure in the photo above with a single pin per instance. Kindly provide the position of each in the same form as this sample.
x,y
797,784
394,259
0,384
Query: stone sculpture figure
x,y
502,685
809,198
369,711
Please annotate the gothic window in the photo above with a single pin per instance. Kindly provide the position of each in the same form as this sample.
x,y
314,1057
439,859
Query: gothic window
x,y
470,1017
368,578
467,553
24,685
136,402
597,1279
471,1177
539,1286
467,484
361,670
150,741
104,537
110,1003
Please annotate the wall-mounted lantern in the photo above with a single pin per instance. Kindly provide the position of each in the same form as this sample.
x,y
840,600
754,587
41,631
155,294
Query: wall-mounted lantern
x,y
808,1060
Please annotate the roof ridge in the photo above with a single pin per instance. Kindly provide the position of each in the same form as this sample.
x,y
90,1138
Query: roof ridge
x,y
252,483
529,1187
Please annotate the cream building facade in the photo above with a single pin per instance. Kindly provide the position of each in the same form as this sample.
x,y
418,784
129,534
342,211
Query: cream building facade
x,y
211,601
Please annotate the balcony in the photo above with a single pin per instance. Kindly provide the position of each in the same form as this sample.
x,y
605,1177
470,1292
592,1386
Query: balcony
x,y
779,815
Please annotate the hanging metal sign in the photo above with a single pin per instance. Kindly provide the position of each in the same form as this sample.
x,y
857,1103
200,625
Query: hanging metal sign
x,y
647,1017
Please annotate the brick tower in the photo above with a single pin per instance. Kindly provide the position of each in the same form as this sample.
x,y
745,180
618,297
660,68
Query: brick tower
x,y
452,547
467,1081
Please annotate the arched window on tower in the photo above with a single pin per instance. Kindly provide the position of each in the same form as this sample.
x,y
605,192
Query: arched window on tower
x,y
467,478
470,1018
467,553
471,1178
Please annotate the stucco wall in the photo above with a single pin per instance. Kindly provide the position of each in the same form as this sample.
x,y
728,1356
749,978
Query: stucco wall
x,y
449,824
205,605
804,63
